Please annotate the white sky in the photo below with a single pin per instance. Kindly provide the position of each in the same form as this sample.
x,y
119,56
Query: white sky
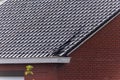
x,y
2,1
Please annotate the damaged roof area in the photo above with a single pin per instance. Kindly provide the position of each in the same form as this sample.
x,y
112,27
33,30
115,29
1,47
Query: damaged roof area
x,y
48,28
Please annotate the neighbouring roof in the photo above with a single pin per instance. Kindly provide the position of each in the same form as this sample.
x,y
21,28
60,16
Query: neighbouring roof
x,y
47,28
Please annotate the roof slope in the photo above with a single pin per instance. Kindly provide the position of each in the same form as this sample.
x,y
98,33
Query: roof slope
x,y
46,28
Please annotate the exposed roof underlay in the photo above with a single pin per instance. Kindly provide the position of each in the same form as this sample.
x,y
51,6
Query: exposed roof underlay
x,y
48,28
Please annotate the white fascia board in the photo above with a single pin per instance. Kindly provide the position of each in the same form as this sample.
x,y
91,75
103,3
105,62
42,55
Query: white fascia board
x,y
35,60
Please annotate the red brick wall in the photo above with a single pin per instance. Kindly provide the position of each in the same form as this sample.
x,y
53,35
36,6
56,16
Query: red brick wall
x,y
96,59
41,71
44,72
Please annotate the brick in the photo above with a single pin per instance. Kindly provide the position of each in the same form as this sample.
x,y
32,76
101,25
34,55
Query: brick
x,y
96,59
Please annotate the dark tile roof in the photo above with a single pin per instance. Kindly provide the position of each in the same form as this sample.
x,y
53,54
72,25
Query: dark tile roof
x,y
46,28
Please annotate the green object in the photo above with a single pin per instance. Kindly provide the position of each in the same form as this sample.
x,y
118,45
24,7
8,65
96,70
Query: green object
x,y
29,70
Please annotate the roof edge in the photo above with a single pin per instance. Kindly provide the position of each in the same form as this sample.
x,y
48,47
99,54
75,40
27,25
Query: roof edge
x,y
103,25
35,60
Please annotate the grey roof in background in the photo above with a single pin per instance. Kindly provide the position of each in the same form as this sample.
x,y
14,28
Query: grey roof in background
x,y
46,28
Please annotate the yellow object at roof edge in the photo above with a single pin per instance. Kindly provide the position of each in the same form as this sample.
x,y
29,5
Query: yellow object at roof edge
x,y
29,70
